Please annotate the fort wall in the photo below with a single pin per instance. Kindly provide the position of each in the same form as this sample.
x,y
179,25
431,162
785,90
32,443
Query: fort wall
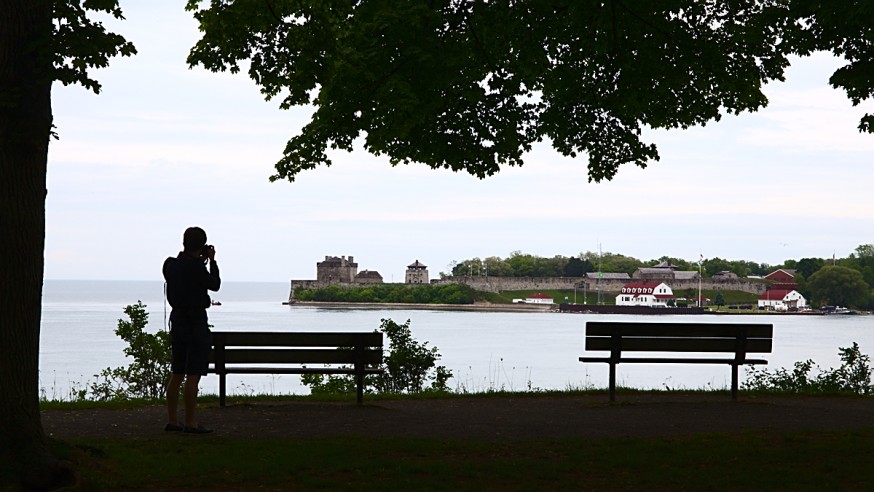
x,y
498,284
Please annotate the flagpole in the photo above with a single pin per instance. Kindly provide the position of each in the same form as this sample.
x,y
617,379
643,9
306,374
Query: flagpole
x,y
700,260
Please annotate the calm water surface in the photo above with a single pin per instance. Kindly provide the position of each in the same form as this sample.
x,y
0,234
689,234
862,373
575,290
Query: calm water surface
x,y
483,350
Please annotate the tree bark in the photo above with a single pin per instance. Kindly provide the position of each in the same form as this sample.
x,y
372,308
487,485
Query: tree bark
x,y
25,126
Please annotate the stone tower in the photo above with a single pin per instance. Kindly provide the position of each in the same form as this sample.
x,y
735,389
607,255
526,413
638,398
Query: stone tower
x,y
336,270
417,273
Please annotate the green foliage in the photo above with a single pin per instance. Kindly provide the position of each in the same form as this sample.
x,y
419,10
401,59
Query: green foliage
x,y
838,286
391,293
329,384
613,262
741,268
520,264
80,43
808,266
854,376
843,28
577,267
408,367
146,376
471,86
720,299
409,364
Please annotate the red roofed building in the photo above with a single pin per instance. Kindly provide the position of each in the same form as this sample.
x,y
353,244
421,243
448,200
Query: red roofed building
x,y
539,298
781,300
781,275
652,294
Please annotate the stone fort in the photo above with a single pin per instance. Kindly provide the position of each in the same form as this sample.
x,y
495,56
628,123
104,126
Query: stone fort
x,y
343,271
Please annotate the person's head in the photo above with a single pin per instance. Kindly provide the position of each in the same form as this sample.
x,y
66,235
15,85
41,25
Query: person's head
x,y
193,240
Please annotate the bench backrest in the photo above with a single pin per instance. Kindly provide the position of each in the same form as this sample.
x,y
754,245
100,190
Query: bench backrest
x,y
244,347
678,337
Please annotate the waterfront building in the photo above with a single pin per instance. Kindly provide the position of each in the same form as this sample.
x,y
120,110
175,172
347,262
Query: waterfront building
x,y
539,298
781,275
652,294
781,300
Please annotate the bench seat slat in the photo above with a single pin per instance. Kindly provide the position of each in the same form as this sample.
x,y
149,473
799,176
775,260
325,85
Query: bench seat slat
x,y
296,339
298,356
293,370
631,344
635,328
672,360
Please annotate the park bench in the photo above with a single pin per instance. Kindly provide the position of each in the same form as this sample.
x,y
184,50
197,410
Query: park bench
x,y
245,352
619,337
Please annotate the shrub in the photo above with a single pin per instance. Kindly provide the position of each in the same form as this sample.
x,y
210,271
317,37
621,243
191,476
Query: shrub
x,y
394,293
854,376
408,367
146,376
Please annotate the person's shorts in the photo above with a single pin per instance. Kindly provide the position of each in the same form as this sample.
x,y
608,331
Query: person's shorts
x,y
190,343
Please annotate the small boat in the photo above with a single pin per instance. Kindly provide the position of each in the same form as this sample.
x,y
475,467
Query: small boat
x,y
836,310
215,303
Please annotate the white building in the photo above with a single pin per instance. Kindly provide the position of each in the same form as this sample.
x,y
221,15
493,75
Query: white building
x,y
781,300
539,298
652,294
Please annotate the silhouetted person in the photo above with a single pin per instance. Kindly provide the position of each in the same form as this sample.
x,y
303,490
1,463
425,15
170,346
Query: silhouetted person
x,y
188,280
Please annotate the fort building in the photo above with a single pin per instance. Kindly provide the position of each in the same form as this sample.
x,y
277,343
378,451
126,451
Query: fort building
x,y
336,270
417,273
368,277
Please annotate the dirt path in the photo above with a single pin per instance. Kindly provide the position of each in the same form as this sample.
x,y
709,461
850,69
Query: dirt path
x,y
489,418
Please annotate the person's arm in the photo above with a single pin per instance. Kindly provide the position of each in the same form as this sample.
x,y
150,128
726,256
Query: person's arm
x,y
214,281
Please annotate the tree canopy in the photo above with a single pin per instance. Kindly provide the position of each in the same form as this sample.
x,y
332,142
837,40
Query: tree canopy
x,y
80,43
472,85
838,286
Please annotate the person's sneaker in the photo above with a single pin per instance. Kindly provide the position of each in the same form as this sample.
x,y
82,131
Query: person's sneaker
x,y
196,430
173,428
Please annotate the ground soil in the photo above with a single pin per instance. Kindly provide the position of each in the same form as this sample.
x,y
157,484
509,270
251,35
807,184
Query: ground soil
x,y
488,418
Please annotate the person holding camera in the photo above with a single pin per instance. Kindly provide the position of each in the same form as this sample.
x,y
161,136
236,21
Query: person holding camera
x,y
188,281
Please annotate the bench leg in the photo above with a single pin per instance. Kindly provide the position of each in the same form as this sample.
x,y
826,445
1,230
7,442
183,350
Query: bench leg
x,y
222,387
734,381
612,382
359,381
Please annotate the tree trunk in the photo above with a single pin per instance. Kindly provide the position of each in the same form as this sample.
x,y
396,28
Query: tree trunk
x,y
25,126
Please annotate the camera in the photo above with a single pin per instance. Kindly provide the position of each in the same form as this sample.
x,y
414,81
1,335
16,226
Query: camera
x,y
206,251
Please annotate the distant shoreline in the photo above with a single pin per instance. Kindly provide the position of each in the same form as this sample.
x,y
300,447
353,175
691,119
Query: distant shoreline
x,y
509,308
480,306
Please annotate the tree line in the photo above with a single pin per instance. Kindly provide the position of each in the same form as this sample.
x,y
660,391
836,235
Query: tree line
x,y
834,281
520,264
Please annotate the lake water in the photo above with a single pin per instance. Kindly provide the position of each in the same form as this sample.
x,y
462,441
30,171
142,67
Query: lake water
x,y
484,350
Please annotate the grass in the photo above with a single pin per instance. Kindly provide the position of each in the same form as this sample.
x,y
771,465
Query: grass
x,y
558,295
774,461
798,461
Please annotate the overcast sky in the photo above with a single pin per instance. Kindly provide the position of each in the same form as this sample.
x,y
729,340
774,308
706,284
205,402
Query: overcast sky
x,y
164,147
